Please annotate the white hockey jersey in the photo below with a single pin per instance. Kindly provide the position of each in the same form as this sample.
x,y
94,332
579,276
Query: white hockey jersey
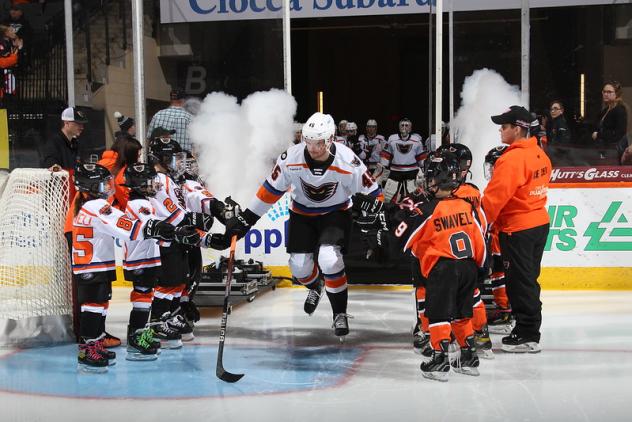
x,y
94,227
196,197
315,189
403,155
140,253
371,148
168,203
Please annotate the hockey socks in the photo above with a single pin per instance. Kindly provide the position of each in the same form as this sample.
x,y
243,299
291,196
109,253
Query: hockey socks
x,y
336,288
479,317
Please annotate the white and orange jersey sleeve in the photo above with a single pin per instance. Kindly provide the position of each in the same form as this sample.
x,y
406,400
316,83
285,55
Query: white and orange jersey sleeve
x,y
168,202
273,188
196,197
143,253
94,227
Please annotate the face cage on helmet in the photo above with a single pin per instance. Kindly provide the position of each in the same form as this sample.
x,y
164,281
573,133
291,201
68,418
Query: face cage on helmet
x,y
103,189
191,166
488,170
176,164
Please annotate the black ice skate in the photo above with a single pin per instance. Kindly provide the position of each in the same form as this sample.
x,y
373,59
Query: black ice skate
x,y
90,360
502,323
467,362
341,325
514,343
438,367
421,341
313,298
169,338
177,322
108,354
140,345
483,344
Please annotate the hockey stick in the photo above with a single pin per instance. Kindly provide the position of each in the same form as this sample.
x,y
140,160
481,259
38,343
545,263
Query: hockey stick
x,y
221,373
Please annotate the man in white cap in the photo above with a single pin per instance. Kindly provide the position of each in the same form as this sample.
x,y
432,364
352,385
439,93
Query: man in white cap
x,y
60,151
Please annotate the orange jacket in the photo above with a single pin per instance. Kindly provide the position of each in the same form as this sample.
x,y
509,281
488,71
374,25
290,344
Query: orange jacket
x,y
514,199
121,193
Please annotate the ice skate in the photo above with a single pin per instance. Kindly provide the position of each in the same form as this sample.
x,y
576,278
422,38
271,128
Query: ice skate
x,y
514,343
503,323
341,325
420,342
140,345
438,367
90,360
177,322
169,337
108,354
313,298
467,362
483,344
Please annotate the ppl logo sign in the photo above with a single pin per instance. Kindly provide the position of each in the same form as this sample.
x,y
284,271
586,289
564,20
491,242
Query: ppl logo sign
x,y
270,238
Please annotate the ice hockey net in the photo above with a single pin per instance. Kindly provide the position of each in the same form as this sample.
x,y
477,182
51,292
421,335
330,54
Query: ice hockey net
x,y
35,277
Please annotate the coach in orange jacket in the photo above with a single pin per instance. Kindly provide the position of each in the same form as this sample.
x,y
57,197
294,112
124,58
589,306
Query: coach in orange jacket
x,y
514,201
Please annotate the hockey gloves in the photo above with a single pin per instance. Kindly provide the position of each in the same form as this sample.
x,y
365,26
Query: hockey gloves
x,y
190,311
187,235
216,241
367,203
156,229
239,224
198,220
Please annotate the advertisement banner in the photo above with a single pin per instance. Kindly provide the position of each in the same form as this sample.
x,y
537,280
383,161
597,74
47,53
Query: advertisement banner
x,y
591,174
589,228
175,11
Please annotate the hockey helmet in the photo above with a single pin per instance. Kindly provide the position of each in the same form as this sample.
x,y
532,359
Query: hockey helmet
x,y
352,128
490,159
319,127
94,179
371,123
142,178
168,153
191,169
462,153
405,127
442,173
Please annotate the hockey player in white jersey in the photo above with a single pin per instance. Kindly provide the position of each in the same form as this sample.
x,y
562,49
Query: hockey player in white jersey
x,y
371,145
95,223
342,132
321,176
403,155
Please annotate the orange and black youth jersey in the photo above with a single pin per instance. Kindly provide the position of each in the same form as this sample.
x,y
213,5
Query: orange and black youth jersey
x,y
446,228
471,193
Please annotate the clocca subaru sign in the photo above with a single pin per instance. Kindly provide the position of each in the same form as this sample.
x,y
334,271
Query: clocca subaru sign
x,y
173,11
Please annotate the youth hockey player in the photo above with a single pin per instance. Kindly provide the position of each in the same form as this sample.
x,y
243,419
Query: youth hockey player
x,y
445,234
403,155
322,176
95,223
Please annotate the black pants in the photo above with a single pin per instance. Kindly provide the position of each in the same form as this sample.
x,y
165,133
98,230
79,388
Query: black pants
x,y
522,256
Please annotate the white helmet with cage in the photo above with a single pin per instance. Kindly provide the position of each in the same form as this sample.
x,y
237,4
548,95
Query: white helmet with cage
x,y
352,128
319,127
405,127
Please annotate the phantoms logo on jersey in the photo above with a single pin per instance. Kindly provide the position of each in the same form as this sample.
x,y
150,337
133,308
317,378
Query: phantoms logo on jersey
x,y
319,193
404,148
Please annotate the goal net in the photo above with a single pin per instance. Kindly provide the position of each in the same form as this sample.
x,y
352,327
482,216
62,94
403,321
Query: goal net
x,y
35,276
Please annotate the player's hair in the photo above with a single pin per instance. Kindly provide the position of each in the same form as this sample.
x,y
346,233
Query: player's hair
x,y
127,150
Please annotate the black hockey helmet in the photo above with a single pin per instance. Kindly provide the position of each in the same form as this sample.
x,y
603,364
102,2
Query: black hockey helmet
x,y
490,159
462,153
94,179
141,178
442,172
168,153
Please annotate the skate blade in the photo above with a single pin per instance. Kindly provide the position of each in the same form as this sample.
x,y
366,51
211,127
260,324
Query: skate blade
x,y
111,362
531,347
170,344
485,354
500,329
467,370
135,356
436,376
187,337
90,370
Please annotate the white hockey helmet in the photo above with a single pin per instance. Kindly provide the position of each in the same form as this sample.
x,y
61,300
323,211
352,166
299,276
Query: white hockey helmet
x,y
371,123
319,127
352,127
405,127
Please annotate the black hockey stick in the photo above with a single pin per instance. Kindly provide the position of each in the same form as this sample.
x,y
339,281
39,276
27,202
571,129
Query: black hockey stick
x,y
221,373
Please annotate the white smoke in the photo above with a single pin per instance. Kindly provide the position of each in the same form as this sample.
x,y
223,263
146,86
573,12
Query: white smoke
x,y
236,145
485,93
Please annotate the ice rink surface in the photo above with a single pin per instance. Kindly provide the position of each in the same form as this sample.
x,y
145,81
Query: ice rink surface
x,y
296,370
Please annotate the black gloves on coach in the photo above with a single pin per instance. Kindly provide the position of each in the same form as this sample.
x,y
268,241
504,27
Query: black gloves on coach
x,y
240,224
198,220
157,229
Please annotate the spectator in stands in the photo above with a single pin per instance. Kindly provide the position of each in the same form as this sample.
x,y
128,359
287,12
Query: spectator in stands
x,y
126,124
22,29
557,131
176,118
613,119
624,148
